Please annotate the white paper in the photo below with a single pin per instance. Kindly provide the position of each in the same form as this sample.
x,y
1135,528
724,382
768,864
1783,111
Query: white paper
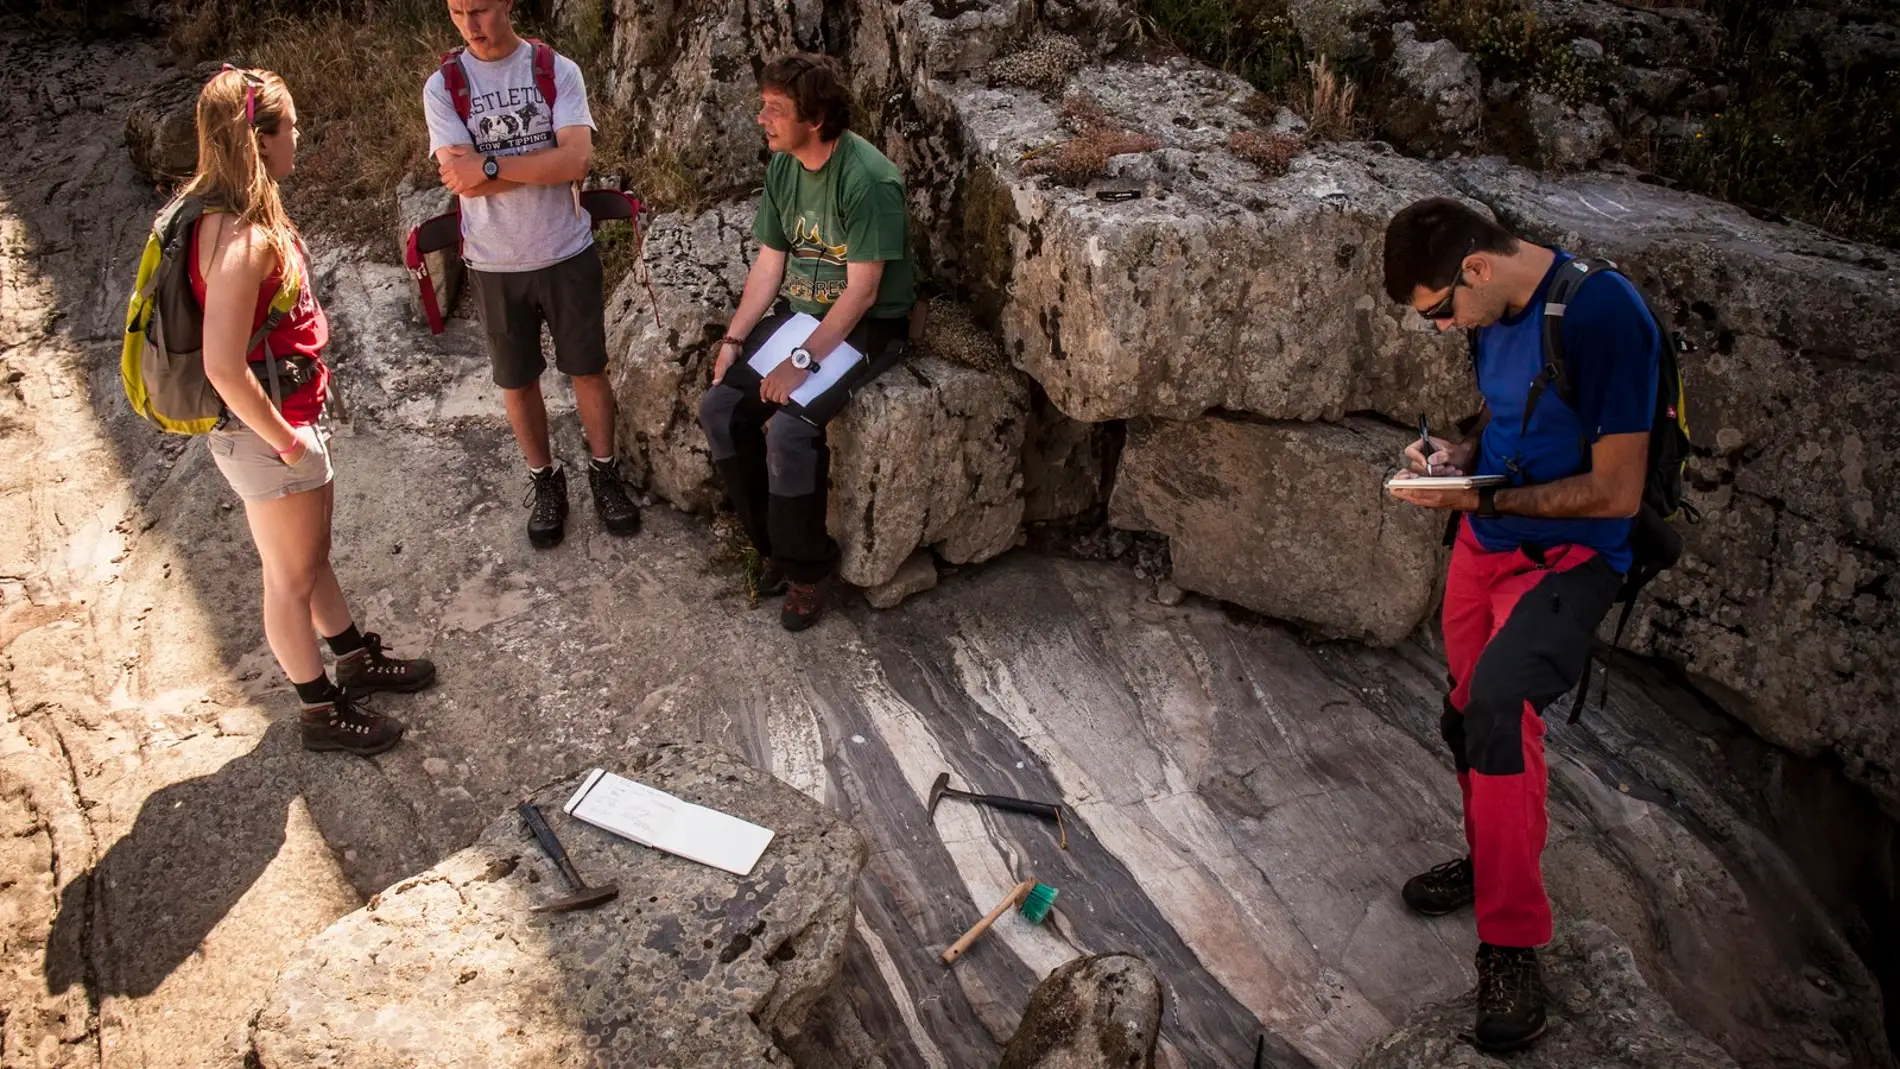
x,y
778,348
657,819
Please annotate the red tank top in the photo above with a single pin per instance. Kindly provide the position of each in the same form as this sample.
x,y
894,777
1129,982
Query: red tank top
x,y
303,332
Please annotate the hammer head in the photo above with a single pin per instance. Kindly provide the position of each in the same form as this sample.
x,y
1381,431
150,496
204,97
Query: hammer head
x,y
582,899
936,791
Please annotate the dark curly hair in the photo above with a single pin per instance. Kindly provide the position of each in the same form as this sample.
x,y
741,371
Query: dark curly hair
x,y
1427,241
815,86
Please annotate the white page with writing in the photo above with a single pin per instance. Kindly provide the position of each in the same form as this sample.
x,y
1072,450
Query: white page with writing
x,y
654,818
778,348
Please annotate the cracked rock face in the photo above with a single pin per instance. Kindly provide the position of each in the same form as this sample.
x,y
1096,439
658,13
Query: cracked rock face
x,y
1785,597
1215,288
690,965
1286,519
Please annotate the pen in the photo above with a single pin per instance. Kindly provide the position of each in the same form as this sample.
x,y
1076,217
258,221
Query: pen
x,y
1425,442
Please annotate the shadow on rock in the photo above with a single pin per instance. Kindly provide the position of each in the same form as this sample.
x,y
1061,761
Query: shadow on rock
x,y
200,845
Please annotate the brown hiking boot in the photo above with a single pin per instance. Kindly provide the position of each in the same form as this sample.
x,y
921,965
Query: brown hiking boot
x,y
368,670
349,725
804,604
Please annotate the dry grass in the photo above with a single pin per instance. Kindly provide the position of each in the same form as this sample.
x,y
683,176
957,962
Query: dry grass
x,y
950,333
1329,104
1272,153
734,552
1045,63
1085,156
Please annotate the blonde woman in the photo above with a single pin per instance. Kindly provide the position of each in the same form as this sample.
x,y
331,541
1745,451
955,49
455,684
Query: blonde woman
x,y
243,250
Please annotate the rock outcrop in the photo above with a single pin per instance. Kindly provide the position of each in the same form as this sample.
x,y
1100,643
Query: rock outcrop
x,y
1603,1015
1092,1013
1216,287
1288,519
689,966
1786,597
161,126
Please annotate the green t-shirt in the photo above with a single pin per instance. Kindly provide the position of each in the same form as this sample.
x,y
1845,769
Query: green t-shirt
x,y
851,210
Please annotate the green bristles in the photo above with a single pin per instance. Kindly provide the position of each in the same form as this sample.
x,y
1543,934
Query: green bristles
x,y
1037,903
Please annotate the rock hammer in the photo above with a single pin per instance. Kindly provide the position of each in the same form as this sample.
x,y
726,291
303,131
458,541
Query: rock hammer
x,y
583,896
1046,810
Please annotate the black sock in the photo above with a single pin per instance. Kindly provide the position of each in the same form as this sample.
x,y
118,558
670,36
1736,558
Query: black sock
x,y
319,691
346,643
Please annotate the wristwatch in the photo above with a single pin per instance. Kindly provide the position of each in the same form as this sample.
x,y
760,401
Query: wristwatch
x,y
801,359
1488,502
490,167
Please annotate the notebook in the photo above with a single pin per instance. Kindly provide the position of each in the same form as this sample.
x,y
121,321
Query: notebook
x,y
654,818
792,334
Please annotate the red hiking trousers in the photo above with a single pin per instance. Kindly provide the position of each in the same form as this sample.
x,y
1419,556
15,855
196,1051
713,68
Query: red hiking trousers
x,y
1518,627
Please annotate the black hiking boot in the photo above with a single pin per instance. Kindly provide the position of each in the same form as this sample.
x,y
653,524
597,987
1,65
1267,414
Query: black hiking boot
x,y
804,604
1444,889
771,581
547,508
616,509
349,725
369,670
1510,997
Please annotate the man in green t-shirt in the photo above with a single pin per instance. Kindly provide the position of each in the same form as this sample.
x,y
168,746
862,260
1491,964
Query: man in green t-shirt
x,y
833,233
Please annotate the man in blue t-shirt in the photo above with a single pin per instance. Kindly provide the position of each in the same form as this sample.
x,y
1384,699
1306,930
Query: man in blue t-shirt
x,y
1537,561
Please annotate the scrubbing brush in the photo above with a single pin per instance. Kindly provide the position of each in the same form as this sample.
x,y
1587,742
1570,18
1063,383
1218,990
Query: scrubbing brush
x,y
1035,899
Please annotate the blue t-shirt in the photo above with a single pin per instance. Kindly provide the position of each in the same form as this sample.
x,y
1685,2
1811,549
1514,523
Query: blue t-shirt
x,y
1611,350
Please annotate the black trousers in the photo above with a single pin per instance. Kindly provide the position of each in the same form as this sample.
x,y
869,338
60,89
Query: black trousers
x,y
776,465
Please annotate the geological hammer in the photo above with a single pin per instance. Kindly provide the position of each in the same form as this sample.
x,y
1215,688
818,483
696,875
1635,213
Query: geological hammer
x,y
1045,810
583,896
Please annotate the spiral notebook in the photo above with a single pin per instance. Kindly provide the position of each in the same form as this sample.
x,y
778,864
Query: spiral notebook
x,y
652,817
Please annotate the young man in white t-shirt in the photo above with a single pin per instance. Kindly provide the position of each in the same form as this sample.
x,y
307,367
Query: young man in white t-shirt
x,y
516,163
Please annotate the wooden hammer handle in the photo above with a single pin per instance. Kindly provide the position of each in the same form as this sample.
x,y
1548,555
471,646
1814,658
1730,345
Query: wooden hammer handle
x,y
1014,897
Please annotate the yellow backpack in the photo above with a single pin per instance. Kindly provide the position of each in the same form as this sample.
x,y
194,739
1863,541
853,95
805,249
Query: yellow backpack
x,y
162,363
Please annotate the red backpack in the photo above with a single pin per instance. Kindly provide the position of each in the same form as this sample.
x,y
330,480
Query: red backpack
x,y
445,230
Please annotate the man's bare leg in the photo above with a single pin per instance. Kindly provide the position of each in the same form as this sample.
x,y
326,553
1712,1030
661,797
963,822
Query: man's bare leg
x,y
528,415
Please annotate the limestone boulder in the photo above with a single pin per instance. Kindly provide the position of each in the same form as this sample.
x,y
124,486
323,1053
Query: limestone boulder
x,y
928,455
1785,598
1439,102
1215,287
1603,1015
686,77
689,966
161,126
1287,519
1102,1010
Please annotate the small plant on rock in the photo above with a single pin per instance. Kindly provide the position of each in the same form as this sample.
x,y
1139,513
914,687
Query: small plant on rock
x,y
1330,103
1085,156
1271,152
1046,63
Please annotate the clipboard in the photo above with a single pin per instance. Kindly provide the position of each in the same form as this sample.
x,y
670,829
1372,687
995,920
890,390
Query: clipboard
x,y
821,395
1446,482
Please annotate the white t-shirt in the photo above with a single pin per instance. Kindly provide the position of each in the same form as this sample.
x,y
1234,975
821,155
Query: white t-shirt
x,y
530,227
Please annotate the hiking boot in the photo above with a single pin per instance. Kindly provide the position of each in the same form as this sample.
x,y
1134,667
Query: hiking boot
x,y
1510,997
547,508
1442,890
771,582
368,669
804,604
616,509
349,725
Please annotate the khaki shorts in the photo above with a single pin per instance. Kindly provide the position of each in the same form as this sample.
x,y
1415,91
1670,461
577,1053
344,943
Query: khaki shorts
x,y
253,470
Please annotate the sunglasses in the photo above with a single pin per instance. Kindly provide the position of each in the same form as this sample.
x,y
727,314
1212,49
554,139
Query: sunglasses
x,y
1444,308
252,83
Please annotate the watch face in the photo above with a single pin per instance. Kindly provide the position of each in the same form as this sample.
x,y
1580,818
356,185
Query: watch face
x,y
801,359
490,167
